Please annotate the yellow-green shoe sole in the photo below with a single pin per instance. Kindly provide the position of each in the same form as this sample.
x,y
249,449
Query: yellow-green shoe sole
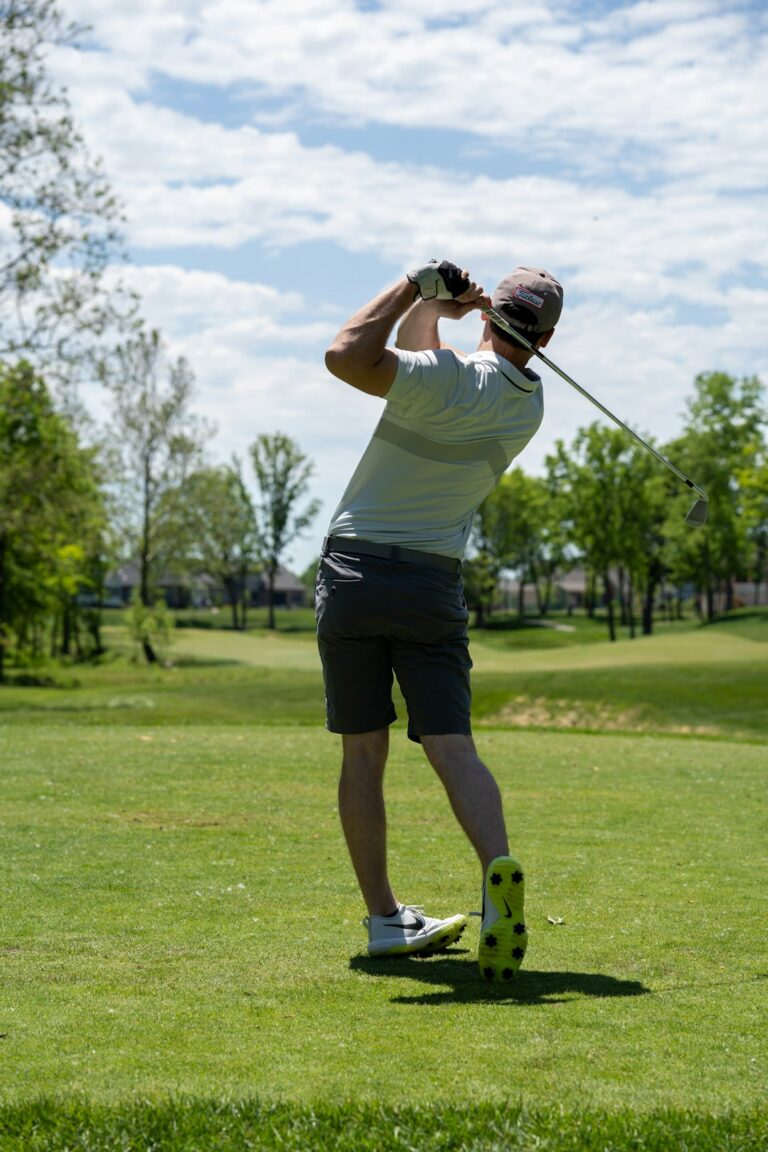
x,y
504,942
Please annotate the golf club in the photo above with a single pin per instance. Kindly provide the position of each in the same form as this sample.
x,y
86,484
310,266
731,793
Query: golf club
x,y
697,514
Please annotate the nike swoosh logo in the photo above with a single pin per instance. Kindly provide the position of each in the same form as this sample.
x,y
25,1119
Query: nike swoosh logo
x,y
402,924
507,914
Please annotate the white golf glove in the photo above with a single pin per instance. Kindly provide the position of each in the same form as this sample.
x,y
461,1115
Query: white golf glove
x,y
439,281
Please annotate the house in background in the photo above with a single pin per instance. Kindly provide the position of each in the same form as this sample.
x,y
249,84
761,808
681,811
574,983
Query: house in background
x,y
202,590
289,591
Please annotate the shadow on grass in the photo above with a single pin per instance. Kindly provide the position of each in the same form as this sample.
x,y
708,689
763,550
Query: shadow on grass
x,y
459,981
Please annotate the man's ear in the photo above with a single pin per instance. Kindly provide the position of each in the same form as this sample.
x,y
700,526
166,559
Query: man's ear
x,y
545,338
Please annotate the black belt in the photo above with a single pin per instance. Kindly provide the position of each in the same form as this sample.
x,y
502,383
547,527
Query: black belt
x,y
357,547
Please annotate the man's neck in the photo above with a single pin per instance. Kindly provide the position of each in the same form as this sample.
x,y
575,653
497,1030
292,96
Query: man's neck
x,y
518,356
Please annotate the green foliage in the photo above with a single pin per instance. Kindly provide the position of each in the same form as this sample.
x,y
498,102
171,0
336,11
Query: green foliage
x,y
150,626
215,530
519,526
53,523
282,473
156,443
63,220
722,446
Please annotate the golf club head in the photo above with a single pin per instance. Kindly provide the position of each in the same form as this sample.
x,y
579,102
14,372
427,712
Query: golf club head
x,y
697,515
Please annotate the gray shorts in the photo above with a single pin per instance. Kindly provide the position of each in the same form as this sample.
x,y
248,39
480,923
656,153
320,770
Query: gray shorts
x,y
378,618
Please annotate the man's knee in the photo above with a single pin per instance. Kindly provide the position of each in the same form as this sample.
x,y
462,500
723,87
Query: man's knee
x,y
454,749
363,750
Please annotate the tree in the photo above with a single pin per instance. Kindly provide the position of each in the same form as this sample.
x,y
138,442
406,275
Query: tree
x,y
602,478
491,545
753,480
157,442
53,513
283,473
219,526
722,438
62,218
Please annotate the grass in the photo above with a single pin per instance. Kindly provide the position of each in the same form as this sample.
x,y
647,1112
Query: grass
x,y
706,681
225,1126
181,959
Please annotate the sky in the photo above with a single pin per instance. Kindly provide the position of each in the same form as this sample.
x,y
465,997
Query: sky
x,y
282,161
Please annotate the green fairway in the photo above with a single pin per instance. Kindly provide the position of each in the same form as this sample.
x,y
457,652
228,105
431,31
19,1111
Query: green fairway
x,y
707,681
180,921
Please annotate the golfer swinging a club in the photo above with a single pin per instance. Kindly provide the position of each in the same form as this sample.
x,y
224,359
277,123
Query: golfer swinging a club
x,y
389,593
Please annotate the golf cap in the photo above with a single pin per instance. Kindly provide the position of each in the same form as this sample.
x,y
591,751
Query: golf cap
x,y
530,299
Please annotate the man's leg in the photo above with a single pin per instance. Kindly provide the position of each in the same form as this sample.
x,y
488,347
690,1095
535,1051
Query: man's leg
x,y
472,791
363,817
476,800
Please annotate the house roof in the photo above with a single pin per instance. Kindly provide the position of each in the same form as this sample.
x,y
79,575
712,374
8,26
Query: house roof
x,y
128,575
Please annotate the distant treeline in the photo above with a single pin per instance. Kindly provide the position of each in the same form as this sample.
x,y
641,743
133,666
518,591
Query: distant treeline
x,y
607,504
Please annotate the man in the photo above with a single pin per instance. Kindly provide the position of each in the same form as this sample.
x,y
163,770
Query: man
x,y
389,592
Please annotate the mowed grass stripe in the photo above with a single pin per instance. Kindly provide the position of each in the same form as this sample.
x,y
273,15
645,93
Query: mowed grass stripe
x,y
233,1125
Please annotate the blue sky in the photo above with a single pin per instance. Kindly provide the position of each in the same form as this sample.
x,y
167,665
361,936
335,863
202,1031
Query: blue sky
x,y
282,160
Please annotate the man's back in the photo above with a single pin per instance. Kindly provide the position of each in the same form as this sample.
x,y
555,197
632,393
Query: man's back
x,y
451,427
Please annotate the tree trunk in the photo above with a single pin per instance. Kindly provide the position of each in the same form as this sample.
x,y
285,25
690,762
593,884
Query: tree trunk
x,y
630,607
144,565
589,592
149,652
233,594
710,593
2,606
650,592
709,585
76,636
66,630
547,594
729,594
622,596
271,597
543,594
521,598
93,624
144,552
609,606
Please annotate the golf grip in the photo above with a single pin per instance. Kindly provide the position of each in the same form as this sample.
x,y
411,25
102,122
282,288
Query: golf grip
x,y
498,319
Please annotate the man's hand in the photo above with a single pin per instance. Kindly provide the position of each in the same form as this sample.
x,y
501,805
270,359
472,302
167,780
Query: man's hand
x,y
439,281
418,328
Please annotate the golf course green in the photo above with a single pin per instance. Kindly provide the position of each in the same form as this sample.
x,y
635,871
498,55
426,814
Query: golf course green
x,y
182,960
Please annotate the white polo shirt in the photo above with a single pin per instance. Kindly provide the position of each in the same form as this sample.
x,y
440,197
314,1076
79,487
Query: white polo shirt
x,y
451,427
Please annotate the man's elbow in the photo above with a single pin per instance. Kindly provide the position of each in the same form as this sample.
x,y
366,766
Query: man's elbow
x,y
337,362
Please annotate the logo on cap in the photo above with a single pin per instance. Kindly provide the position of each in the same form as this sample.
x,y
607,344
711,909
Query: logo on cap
x,y
528,296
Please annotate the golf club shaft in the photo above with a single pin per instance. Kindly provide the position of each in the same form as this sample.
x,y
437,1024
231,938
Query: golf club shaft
x,y
498,319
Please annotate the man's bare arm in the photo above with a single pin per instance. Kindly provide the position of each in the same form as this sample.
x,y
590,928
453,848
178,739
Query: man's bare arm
x,y
359,355
418,330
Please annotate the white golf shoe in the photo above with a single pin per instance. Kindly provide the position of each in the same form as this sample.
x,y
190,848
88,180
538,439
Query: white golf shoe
x,y
409,931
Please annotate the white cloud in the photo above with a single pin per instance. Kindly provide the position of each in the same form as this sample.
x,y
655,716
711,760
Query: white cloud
x,y
655,76
269,187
